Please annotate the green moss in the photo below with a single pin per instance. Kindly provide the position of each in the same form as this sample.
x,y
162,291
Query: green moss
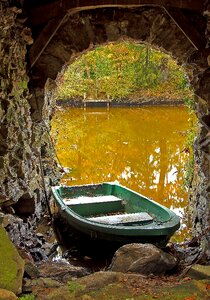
x,y
75,286
191,289
114,291
27,297
11,265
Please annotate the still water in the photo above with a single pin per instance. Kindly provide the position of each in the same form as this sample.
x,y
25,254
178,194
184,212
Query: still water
x,y
141,148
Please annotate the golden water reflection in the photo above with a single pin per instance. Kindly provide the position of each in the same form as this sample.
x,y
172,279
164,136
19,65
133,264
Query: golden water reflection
x,y
141,148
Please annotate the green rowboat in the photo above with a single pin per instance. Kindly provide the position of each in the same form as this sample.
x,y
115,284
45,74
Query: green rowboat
x,y
111,212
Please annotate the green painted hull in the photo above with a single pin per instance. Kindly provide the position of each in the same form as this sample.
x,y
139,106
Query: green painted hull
x,y
158,231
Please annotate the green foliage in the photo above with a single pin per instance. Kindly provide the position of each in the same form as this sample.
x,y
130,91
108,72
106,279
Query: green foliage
x,y
192,133
27,297
125,69
189,171
190,102
190,163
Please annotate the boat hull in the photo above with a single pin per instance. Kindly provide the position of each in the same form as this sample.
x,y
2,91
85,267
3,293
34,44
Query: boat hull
x,y
86,234
157,232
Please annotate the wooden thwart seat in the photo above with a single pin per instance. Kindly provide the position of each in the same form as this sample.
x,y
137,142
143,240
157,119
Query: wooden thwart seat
x,y
91,200
123,218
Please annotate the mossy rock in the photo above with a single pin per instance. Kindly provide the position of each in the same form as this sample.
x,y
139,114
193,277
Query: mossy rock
x,y
199,272
11,265
7,295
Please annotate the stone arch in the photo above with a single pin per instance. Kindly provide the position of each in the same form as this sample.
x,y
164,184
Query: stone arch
x,y
81,30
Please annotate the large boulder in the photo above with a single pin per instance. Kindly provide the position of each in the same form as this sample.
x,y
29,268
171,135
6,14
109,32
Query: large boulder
x,y
11,265
144,259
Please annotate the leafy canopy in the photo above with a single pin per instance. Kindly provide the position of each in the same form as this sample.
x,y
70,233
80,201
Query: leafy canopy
x,y
124,70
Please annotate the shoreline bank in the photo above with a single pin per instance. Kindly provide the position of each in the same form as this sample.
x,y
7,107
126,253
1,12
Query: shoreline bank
x,y
115,103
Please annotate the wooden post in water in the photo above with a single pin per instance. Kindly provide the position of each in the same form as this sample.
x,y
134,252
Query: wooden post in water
x,y
84,102
108,102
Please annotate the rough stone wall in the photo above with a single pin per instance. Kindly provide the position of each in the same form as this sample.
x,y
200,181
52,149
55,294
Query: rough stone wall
x,y
199,203
22,141
200,196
